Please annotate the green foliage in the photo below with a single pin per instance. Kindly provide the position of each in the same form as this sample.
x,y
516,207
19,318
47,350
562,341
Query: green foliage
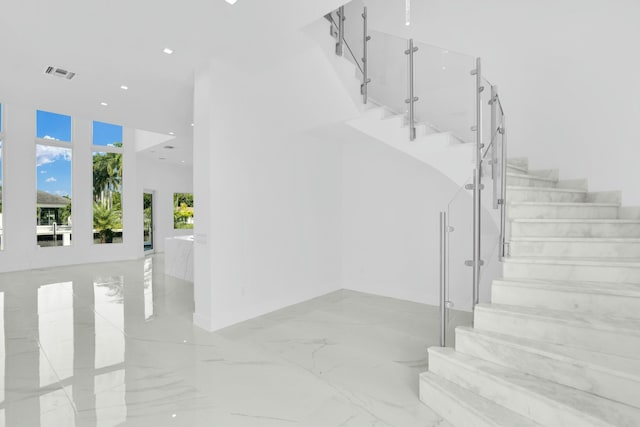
x,y
180,198
182,210
105,220
65,213
107,178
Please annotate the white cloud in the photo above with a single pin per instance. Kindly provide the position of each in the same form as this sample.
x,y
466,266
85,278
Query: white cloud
x,y
50,137
46,154
43,171
52,179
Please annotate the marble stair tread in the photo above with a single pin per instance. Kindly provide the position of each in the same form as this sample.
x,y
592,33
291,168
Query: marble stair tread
x,y
595,262
579,220
575,247
544,401
576,239
566,210
612,288
621,300
613,364
527,180
529,176
626,326
517,193
550,189
602,374
463,408
584,205
573,227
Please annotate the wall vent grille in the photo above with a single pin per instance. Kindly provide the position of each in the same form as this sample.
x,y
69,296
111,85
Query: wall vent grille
x,y
60,72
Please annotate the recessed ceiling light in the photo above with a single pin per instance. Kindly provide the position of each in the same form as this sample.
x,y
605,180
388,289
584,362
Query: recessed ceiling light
x,y
167,51
123,87
182,161
104,104
172,133
192,124
231,1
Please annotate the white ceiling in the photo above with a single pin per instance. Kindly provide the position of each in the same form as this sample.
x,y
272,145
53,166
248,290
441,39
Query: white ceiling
x,y
109,43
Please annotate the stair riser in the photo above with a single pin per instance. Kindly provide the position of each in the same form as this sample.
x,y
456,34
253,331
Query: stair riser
x,y
542,410
574,229
561,212
571,272
529,182
450,408
574,249
535,328
598,304
534,195
559,370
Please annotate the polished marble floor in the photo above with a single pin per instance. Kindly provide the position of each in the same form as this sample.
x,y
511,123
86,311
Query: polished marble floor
x,y
113,345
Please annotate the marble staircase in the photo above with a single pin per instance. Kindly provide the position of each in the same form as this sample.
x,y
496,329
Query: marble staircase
x,y
559,344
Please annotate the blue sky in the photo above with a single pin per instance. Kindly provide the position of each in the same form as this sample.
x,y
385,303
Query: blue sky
x,y
53,164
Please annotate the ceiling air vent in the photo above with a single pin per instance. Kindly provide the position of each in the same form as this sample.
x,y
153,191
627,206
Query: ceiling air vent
x,y
60,72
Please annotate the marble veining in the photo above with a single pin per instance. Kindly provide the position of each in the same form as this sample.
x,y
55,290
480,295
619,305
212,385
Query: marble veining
x,y
559,342
114,345
179,257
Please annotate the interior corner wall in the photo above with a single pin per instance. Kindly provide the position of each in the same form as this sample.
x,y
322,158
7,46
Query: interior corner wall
x,y
163,180
391,208
271,197
19,198
566,71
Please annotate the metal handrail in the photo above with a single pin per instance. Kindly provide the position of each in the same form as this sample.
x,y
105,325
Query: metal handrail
x,y
498,161
412,99
329,16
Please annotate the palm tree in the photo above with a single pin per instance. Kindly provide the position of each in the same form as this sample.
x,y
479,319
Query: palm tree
x,y
104,221
107,177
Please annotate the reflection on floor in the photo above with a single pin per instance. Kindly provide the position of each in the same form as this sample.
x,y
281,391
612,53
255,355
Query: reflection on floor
x,y
113,344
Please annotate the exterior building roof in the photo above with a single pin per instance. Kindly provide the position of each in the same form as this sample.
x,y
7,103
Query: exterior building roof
x,y
48,200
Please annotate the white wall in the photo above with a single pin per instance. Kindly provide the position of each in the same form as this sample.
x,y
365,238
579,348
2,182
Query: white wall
x,y
391,206
19,192
269,186
567,73
163,180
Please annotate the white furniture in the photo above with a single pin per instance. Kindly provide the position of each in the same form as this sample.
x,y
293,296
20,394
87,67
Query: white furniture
x,y
178,257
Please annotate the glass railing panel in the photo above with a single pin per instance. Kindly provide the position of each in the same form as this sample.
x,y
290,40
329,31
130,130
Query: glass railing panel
x,y
388,71
446,91
459,294
353,33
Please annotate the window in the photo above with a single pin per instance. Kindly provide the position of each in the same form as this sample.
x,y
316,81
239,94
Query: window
x,y
107,183
52,126
53,177
182,210
107,135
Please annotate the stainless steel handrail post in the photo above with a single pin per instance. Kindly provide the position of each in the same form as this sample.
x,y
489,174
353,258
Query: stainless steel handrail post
x,y
477,187
340,42
503,195
412,99
365,55
444,230
494,142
